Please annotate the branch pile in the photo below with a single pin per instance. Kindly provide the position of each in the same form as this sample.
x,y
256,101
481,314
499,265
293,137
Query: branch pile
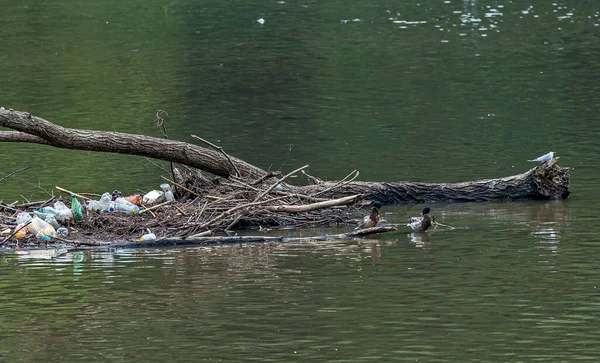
x,y
211,208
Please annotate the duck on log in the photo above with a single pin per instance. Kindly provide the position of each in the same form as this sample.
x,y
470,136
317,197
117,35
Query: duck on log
x,y
547,181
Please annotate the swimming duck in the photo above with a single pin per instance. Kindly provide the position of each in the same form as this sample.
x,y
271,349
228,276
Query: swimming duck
x,y
372,219
421,224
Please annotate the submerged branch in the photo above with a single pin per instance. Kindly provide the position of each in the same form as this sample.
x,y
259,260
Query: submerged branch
x,y
14,172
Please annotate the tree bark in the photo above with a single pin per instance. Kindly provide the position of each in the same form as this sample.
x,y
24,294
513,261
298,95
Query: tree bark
x,y
547,181
37,130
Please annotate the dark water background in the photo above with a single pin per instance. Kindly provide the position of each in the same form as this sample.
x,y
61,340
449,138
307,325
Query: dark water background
x,y
437,91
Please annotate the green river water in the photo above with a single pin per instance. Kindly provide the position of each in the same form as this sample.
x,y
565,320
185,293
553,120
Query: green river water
x,y
440,91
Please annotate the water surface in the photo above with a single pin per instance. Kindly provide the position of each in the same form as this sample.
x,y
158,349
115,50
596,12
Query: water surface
x,y
438,91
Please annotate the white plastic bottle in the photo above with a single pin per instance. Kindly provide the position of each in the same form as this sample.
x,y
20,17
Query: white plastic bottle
x,y
94,205
41,228
51,220
23,218
105,203
63,213
148,237
168,193
124,206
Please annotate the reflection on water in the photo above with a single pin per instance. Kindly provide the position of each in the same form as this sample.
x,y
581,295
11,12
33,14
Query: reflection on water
x,y
498,287
421,240
545,221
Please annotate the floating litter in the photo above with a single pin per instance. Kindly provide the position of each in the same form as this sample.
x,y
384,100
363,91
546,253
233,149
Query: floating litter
x,y
261,21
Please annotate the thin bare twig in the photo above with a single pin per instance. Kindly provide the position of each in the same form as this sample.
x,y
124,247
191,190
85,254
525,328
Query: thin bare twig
x,y
311,178
280,181
242,206
221,150
155,164
265,193
6,206
339,184
27,205
15,232
72,193
162,126
14,172
271,174
39,186
180,210
180,186
154,207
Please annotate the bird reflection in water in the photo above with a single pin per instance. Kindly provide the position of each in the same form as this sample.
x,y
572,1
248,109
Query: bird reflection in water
x,y
421,240
374,246
547,220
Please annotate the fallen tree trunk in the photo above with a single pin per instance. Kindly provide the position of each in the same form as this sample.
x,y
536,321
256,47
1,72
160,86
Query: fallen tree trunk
x,y
37,130
548,181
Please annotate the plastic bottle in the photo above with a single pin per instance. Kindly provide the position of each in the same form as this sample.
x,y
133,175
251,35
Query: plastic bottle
x,y
62,232
51,220
134,199
21,230
63,212
41,215
94,205
122,205
168,193
45,212
41,228
148,237
23,218
105,203
48,210
76,208
154,197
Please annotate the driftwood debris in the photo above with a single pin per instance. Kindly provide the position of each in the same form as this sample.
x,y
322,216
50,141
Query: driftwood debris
x,y
548,181
243,195
203,241
175,241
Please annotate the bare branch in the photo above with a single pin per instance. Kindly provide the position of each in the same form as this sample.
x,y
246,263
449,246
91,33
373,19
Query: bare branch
x,y
14,172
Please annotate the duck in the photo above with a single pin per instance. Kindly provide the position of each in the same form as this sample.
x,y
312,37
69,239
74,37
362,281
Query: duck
x,y
421,224
373,218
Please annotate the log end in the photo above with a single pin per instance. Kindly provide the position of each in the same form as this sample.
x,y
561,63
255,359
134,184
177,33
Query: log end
x,y
552,180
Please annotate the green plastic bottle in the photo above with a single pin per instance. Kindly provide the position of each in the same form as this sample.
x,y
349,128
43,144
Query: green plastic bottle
x,y
76,208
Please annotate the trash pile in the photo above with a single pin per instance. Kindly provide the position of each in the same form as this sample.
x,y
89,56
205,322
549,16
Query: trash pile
x,y
53,222
193,208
